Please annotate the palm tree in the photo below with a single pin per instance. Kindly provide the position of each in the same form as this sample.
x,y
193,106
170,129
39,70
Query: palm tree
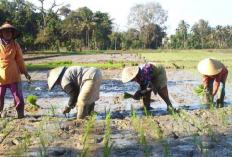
x,y
86,21
183,28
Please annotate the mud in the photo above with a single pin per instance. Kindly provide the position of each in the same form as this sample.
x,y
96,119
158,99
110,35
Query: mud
x,y
198,132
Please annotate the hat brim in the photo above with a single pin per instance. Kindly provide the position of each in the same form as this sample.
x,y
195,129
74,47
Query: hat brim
x,y
15,32
52,84
209,66
125,77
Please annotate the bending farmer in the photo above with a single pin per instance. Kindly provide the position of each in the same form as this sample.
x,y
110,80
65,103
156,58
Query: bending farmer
x,y
82,84
214,74
11,68
150,77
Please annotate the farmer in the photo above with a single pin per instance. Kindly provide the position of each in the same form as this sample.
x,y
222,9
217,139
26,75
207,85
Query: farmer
x,y
82,84
11,68
150,77
214,74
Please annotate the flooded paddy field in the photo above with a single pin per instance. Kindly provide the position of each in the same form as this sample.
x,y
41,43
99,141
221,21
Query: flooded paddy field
x,y
193,130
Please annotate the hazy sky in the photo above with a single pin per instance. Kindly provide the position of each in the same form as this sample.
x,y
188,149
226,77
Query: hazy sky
x,y
216,12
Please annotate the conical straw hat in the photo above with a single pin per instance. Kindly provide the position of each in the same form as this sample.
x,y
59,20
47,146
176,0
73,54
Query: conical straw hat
x,y
53,76
5,25
129,73
209,66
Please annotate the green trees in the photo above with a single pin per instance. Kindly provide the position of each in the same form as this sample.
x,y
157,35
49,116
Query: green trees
x,y
201,36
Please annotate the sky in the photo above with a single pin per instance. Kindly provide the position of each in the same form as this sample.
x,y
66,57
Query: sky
x,y
216,12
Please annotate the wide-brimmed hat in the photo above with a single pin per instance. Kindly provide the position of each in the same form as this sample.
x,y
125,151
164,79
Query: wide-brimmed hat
x,y
53,76
209,66
6,25
129,73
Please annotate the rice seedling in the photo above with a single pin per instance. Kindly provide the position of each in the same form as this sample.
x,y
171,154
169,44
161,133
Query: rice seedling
x,y
31,99
111,61
139,128
107,147
127,95
132,63
166,145
89,124
174,115
175,66
199,90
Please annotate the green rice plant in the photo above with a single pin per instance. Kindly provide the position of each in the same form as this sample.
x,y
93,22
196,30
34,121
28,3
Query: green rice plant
x,y
107,147
89,124
132,63
166,145
153,125
127,95
175,66
174,115
198,141
53,110
60,63
111,61
199,90
18,151
122,63
31,99
139,128
26,140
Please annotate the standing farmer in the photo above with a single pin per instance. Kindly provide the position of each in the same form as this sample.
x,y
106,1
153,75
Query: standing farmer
x,y
82,84
150,77
11,68
214,74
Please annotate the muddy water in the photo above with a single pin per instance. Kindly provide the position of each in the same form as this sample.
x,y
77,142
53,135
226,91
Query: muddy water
x,y
178,135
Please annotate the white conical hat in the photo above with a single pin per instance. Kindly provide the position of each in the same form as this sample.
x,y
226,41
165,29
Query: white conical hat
x,y
129,73
209,66
53,76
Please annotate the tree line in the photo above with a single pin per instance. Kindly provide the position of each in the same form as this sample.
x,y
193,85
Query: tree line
x,y
57,27
201,36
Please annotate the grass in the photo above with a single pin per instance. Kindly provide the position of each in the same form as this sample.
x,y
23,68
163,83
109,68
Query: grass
x,y
52,66
187,59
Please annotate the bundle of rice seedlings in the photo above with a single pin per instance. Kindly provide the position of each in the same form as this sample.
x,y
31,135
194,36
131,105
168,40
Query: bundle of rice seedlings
x,y
128,95
199,90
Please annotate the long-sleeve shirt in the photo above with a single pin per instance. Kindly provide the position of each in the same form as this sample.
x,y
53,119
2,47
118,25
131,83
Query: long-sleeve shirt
x,y
11,63
73,79
220,77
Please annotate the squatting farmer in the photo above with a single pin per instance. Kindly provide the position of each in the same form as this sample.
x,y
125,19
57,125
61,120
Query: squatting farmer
x,y
214,74
82,84
11,68
150,77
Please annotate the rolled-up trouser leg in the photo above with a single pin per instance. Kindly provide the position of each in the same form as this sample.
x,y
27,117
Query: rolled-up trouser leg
x,y
2,97
18,98
147,100
163,93
89,93
221,95
91,108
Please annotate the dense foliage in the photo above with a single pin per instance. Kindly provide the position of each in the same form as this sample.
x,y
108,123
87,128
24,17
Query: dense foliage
x,y
57,27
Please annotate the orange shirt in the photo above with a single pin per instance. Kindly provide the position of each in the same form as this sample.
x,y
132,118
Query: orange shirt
x,y
11,63
220,77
